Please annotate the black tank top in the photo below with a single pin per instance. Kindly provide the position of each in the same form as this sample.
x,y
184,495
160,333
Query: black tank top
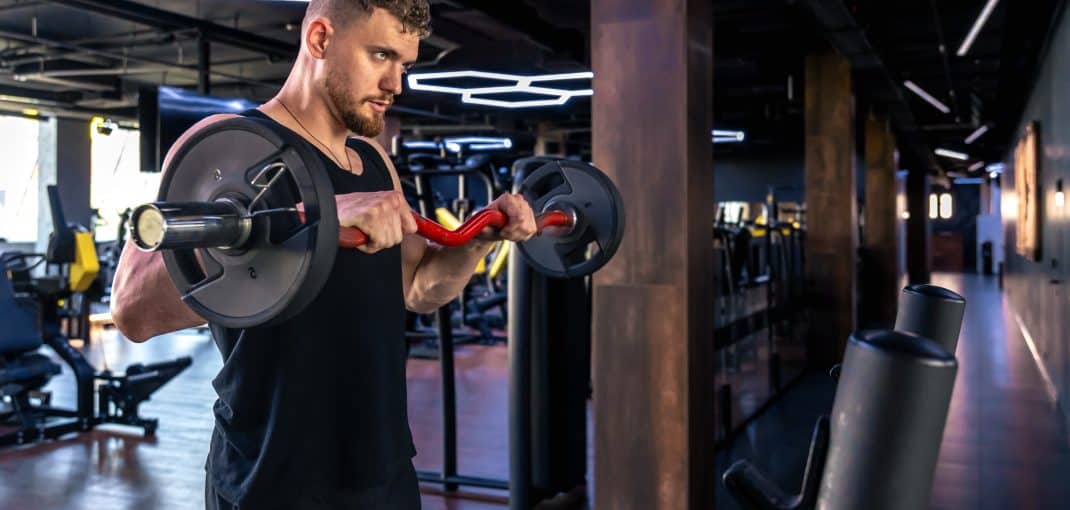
x,y
312,412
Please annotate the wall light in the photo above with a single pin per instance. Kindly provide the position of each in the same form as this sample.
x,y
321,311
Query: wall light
x,y
905,215
946,206
934,206
1060,199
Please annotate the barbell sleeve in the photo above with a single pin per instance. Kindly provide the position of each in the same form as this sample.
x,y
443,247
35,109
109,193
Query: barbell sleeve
x,y
177,225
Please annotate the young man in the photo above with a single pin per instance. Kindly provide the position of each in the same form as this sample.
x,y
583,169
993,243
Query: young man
x,y
312,412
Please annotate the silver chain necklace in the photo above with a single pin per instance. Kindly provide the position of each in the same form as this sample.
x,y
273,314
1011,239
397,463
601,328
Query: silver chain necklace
x,y
325,146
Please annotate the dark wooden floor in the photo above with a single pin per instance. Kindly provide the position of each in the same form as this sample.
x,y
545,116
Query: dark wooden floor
x,y
1004,447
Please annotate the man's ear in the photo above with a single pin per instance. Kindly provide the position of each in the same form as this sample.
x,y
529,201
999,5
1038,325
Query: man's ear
x,y
317,37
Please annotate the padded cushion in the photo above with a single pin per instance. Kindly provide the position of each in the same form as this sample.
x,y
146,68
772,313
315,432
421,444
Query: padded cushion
x,y
20,319
26,368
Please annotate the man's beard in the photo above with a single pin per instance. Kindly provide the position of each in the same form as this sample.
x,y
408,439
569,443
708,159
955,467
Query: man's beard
x,y
338,92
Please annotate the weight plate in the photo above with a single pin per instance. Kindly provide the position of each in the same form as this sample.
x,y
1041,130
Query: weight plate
x,y
284,263
572,186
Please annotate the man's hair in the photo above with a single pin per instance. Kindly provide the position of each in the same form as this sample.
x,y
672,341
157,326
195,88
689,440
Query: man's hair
x,y
415,15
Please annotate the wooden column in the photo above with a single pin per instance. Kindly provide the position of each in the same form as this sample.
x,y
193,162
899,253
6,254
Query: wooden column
x,y
652,324
881,241
831,205
919,259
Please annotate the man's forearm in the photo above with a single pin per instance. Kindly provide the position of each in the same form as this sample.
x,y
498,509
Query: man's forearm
x,y
443,274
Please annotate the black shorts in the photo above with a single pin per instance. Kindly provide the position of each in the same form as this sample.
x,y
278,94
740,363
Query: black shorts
x,y
402,492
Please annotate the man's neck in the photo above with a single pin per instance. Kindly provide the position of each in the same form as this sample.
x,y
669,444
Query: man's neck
x,y
310,112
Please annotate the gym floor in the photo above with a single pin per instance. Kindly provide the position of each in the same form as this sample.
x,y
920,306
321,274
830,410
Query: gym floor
x,y
1004,447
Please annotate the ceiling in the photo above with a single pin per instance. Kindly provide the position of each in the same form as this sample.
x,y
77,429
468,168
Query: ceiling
x,y
88,57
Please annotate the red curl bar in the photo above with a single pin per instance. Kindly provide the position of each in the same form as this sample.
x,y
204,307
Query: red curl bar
x,y
351,237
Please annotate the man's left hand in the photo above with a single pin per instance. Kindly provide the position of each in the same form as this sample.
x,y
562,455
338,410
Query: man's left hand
x,y
520,219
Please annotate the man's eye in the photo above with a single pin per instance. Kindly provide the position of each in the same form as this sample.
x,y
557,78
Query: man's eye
x,y
381,55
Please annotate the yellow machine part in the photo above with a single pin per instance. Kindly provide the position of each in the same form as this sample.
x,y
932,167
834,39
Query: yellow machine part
x,y
446,218
86,264
500,259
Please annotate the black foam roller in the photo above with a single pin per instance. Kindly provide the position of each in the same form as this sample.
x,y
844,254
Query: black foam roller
x,y
887,422
931,312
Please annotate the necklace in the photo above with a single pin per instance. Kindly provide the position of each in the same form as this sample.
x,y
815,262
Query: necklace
x,y
325,146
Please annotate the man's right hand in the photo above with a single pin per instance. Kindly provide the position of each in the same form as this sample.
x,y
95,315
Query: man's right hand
x,y
384,216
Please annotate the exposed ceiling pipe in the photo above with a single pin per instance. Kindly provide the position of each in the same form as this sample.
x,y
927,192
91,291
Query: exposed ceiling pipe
x,y
126,38
74,73
67,82
7,34
168,20
944,59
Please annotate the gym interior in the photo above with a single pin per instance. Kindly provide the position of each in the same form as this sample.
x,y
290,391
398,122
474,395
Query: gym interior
x,y
795,253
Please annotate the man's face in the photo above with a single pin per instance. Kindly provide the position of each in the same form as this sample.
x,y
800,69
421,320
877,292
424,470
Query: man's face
x,y
364,67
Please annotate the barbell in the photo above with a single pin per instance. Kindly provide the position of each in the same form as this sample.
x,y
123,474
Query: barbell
x,y
241,254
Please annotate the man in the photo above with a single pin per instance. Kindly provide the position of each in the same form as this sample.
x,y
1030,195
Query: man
x,y
312,412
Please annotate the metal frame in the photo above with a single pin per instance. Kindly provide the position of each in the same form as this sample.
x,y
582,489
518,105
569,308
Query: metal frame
x,y
167,20
448,477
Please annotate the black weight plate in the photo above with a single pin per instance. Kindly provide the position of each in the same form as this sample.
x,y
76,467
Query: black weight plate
x,y
577,186
285,263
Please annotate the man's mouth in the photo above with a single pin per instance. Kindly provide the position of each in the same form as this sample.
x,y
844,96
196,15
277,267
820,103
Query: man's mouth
x,y
379,106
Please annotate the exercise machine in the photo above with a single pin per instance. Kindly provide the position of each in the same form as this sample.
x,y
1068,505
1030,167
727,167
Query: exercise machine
x,y
32,310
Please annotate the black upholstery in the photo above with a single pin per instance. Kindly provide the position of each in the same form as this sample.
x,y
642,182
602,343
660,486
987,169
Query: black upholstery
x,y
27,368
20,331
19,336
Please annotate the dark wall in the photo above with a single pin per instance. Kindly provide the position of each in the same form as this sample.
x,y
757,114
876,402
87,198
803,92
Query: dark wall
x,y
1037,290
747,178
967,205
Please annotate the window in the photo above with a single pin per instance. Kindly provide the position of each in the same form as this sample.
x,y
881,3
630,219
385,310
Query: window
x,y
19,179
117,182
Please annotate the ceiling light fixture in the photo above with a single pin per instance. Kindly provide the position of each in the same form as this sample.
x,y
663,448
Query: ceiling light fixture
x,y
951,154
977,134
514,84
977,25
728,136
453,144
926,96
